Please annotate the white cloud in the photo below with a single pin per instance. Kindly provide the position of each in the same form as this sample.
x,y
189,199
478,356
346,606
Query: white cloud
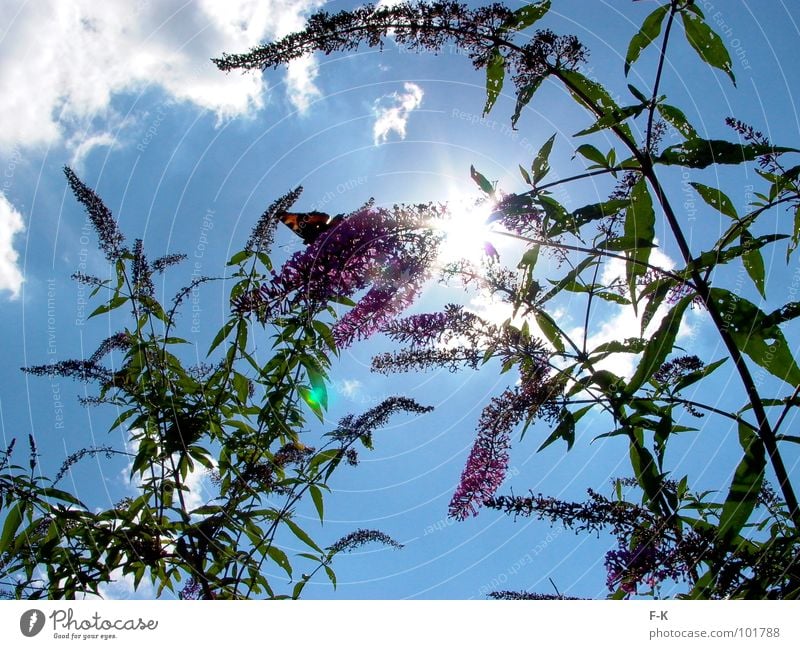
x,y
122,587
350,387
393,110
10,224
61,63
300,76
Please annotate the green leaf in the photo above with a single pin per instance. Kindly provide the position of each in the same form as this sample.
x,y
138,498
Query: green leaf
x,y
524,96
331,574
114,303
753,263
481,181
692,377
525,16
655,292
660,345
755,335
565,430
325,333
612,118
716,199
568,279
592,154
707,43
745,487
638,94
586,214
698,153
795,234
648,33
301,534
319,503
495,73
676,118
279,557
640,225
319,391
541,166
10,527
239,257
525,175
222,334
311,401
646,471
593,96
550,330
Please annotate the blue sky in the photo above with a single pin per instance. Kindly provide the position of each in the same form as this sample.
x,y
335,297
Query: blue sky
x,y
188,157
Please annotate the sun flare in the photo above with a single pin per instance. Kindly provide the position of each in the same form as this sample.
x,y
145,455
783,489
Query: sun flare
x,y
467,235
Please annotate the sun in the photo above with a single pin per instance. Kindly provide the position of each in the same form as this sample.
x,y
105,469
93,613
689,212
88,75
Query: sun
x,y
467,235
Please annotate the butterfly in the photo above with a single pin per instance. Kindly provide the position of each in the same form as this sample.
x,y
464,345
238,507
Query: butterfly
x,y
309,225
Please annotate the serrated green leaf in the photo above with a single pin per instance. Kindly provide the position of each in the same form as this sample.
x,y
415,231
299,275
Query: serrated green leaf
x,y
222,334
319,391
279,557
646,471
331,574
716,199
676,118
587,214
239,257
311,401
481,181
640,225
699,153
745,487
612,118
592,154
524,96
550,330
565,430
114,303
568,279
755,335
525,16
541,166
707,43
593,96
495,74
655,292
795,234
10,527
319,502
638,94
692,377
660,345
753,263
301,534
648,33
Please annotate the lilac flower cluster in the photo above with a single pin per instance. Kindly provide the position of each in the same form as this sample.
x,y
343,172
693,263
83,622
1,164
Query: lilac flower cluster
x,y
523,594
451,338
649,563
677,368
649,550
488,461
111,239
362,537
387,252
352,428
